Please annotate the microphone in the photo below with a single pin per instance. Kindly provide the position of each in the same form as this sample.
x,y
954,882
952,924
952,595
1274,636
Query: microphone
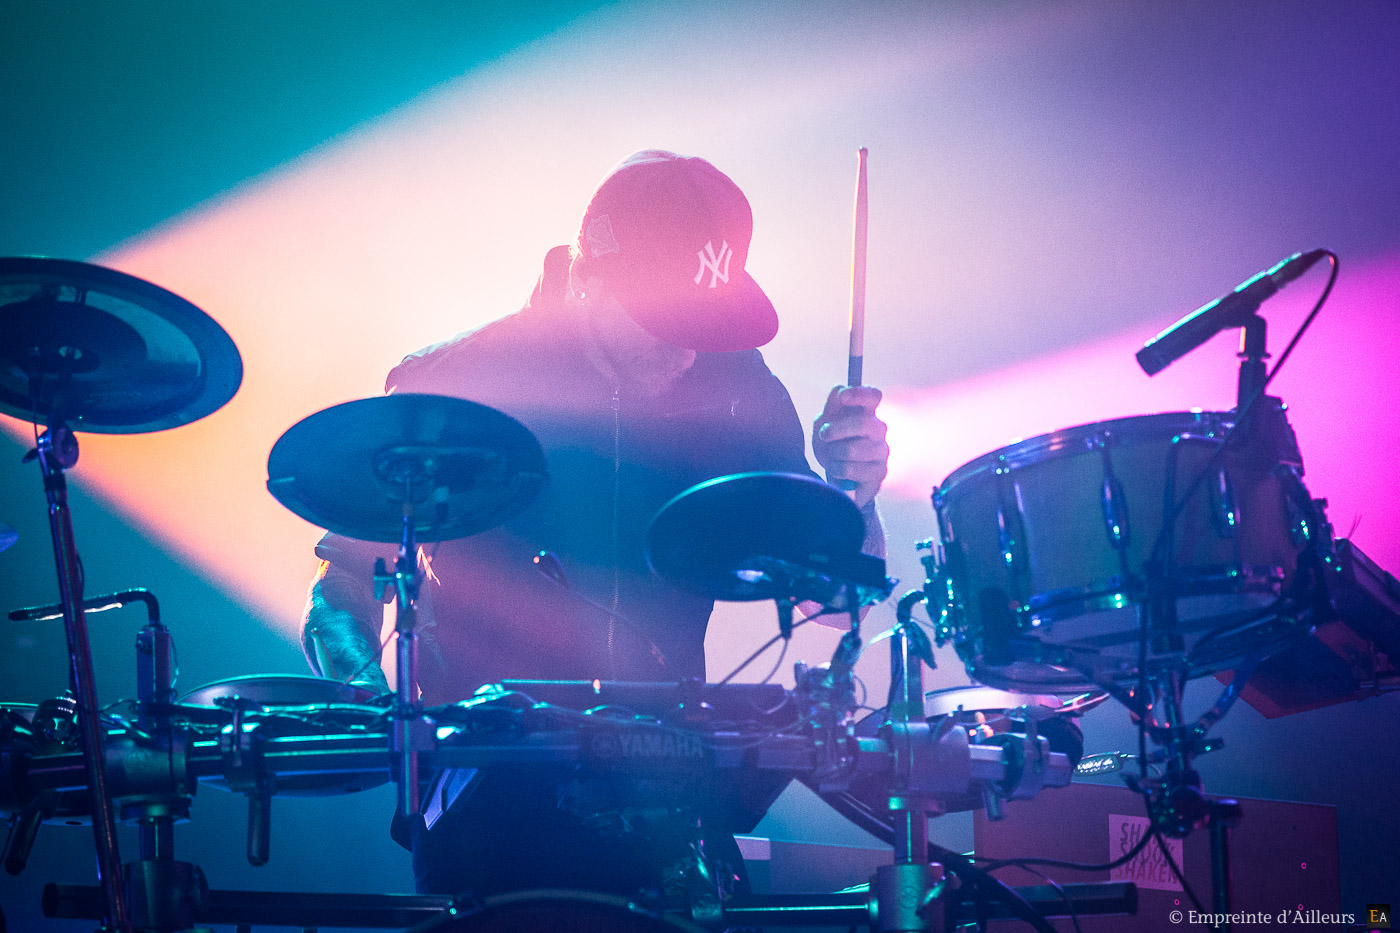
x,y
547,563
549,566
1233,310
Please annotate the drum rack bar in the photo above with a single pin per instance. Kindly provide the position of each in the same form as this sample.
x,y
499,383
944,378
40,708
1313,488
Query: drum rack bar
x,y
166,766
398,911
273,908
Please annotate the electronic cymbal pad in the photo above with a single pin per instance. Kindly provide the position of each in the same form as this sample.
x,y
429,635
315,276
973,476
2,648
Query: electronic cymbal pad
x,y
106,352
753,536
455,466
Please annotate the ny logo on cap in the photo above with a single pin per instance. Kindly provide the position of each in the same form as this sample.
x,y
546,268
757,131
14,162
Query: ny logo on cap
x,y
708,260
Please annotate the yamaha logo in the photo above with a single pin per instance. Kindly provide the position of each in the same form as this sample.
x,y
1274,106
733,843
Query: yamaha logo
x,y
654,745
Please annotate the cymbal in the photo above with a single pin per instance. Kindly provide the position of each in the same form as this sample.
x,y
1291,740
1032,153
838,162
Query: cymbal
x,y
754,536
463,467
106,352
276,690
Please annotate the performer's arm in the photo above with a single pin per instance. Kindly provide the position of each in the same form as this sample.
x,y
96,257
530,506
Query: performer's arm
x,y
340,633
848,439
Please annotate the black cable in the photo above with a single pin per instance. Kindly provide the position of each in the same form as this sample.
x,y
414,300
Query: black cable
x,y
1064,896
1144,704
1307,322
13,821
373,659
778,663
1171,863
765,646
995,864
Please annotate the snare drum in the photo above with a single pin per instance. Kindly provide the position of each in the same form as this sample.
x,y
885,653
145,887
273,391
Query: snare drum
x,y
1054,545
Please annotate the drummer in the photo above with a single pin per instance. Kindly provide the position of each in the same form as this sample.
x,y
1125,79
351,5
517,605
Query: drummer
x,y
635,364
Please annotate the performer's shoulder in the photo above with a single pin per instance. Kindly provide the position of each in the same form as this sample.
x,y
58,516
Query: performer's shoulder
x,y
508,341
462,353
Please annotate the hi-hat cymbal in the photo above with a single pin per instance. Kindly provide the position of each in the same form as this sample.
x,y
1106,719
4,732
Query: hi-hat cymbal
x,y
755,536
463,467
107,352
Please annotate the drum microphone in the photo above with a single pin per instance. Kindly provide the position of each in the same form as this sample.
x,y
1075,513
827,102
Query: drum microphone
x,y
1233,310
549,565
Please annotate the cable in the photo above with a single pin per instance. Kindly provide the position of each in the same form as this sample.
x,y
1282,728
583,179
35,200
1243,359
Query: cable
x,y
996,864
1069,902
1307,322
864,692
373,659
13,821
765,646
778,663
1171,863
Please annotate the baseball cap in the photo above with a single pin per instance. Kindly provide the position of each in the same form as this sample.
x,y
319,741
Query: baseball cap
x,y
669,234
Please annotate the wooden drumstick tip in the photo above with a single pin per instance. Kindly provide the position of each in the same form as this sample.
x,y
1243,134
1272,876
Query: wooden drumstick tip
x,y
860,225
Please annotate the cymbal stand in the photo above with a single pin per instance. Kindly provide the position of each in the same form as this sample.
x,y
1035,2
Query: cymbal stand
x,y
1261,438
407,737
1177,803
827,695
898,912
57,451
166,894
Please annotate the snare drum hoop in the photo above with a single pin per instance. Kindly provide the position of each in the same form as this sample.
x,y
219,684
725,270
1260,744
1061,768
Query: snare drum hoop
x,y
1205,425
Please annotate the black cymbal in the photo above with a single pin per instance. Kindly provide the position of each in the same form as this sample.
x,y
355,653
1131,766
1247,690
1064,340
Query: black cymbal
x,y
757,536
107,352
276,690
463,467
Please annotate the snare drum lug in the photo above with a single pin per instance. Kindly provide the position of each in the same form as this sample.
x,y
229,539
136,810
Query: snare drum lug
x,y
999,621
1011,537
1115,513
1224,507
1115,504
939,597
1300,529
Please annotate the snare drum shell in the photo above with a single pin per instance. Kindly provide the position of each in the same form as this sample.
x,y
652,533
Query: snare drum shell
x,y
1048,543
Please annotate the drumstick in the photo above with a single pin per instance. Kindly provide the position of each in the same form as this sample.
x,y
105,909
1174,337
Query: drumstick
x,y
856,360
858,247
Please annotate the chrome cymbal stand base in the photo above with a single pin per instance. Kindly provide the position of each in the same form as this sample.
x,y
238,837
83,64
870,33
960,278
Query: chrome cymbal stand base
x,y
906,896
